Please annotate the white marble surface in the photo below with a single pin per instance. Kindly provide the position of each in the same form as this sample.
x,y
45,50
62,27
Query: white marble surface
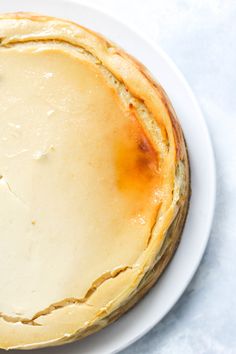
x,y
200,36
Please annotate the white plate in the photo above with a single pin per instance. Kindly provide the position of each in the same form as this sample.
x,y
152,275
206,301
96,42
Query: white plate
x,y
169,288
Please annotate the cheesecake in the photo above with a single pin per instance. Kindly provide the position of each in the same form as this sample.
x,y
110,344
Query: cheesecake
x,y
94,181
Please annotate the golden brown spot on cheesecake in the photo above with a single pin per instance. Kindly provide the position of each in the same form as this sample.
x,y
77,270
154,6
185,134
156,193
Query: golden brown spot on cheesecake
x,y
136,162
